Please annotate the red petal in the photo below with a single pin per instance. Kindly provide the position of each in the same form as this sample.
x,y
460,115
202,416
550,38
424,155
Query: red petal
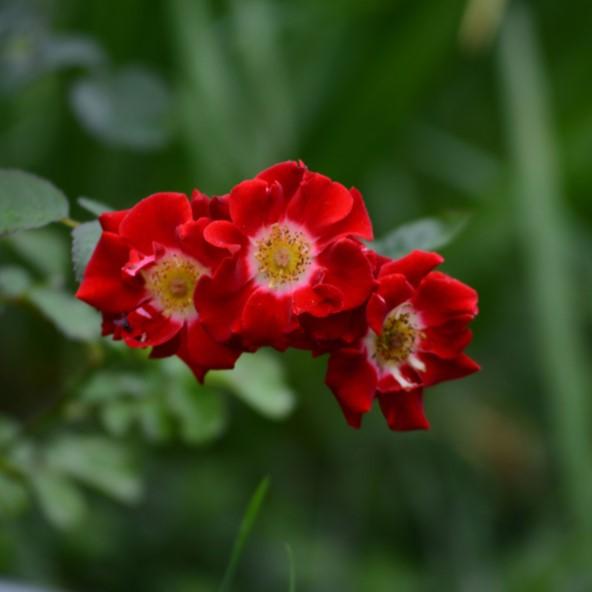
x,y
192,242
320,300
254,204
288,174
102,285
395,290
357,223
328,333
200,204
319,203
147,327
376,312
347,269
403,411
414,266
168,348
440,298
225,235
353,382
439,370
202,353
110,221
267,319
155,220
447,340
219,300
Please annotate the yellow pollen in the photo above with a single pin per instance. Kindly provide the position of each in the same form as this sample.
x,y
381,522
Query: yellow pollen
x,y
171,282
283,256
396,341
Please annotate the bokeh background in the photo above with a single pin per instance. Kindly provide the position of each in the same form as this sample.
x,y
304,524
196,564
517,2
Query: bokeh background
x,y
475,115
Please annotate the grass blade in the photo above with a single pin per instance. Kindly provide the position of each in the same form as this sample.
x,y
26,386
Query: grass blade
x,y
547,242
244,531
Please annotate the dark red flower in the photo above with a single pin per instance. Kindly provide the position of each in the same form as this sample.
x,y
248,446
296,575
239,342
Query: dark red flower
x,y
294,234
417,331
143,274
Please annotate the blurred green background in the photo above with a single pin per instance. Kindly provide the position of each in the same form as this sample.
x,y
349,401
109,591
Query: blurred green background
x,y
444,109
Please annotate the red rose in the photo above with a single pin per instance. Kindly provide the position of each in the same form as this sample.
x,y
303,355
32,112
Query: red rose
x,y
294,235
417,331
143,274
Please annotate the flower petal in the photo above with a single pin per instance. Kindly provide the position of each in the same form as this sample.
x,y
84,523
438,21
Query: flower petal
x,y
440,298
288,174
102,285
319,301
155,220
202,353
404,411
225,235
348,270
147,327
110,221
447,340
219,300
254,204
414,266
267,319
193,242
353,382
319,202
439,370
357,223
394,289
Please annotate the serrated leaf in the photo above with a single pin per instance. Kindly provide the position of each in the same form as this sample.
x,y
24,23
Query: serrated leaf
x,y
129,108
425,234
60,500
44,249
258,379
84,240
98,462
28,201
73,318
94,207
14,281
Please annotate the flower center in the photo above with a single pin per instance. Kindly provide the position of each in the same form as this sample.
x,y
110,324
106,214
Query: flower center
x,y
282,255
171,282
397,340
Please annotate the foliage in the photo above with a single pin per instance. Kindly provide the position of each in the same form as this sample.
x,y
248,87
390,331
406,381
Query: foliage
x,y
107,458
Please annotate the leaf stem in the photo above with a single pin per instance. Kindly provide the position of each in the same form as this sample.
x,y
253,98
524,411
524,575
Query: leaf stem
x,y
69,222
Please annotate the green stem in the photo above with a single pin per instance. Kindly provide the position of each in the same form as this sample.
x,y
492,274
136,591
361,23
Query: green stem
x,y
546,243
69,222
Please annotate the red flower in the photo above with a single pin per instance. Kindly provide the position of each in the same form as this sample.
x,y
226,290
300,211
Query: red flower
x,y
417,331
143,274
294,235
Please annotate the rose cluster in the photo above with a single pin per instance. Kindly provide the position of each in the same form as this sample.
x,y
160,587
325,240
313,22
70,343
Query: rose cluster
x,y
279,261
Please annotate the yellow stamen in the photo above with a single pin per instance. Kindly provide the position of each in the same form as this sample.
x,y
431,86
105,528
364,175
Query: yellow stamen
x,y
282,256
171,283
397,340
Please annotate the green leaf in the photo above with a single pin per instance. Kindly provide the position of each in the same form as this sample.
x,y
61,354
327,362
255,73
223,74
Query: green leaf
x,y
73,318
13,496
258,379
98,462
108,385
27,201
200,412
8,429
425,234
129,108
154,419
44,249
60,500
14,281
118,416
94,207
246,526
84,240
